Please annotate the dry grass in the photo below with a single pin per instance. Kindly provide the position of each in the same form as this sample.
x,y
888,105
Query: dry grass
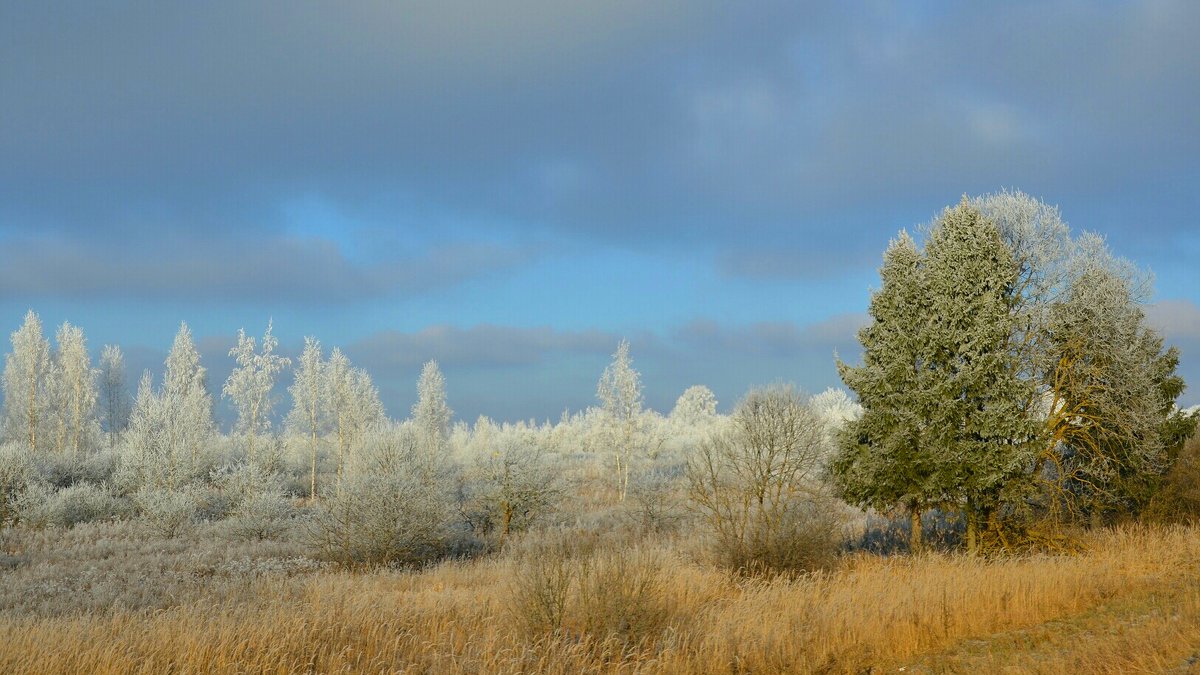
x,y
1130,603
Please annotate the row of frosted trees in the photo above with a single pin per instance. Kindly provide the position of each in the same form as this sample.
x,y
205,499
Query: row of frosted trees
x,y
78,447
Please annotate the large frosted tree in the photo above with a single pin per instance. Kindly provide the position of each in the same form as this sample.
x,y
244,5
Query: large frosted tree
x,y
251,383
1004,360
354,405
620,394
1102,386
74,395
311,401
26,371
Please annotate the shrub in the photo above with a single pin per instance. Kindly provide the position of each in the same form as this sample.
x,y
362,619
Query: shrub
x,y
16,471
262,515
1178,497
622,594
393,506
167,512
562,583
40,505
544,574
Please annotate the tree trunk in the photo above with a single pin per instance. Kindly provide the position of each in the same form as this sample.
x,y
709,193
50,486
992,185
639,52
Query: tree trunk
x,y
312,452
916,542
972,529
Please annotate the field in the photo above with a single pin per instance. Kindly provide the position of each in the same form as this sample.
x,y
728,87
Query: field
x,y
109,598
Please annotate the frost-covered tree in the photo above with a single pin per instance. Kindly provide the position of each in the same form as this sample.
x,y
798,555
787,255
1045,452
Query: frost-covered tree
x,y
26,370
114,399
620,394
74,393
509,482
251,383
979,427
310,403
1101,379
354,405
170,426
185,386
884,460
696,405
431,413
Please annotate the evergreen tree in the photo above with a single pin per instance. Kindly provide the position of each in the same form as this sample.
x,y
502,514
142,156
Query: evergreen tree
x,y
885,460
979,430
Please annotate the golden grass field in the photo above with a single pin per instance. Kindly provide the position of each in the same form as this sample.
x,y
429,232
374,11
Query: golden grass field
x,y
1129,603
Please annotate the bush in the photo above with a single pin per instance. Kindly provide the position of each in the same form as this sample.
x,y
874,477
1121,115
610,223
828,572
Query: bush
x,y
622,594
544,574
393,506
167,512
263,515
1178,497
40,505
564,584
16,471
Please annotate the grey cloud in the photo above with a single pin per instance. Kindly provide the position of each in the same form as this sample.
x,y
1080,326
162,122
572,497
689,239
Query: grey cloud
x,y
1177,319
276,268
771,338
613,120
477,346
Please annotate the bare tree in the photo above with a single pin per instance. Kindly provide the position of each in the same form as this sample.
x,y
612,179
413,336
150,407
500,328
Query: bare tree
x,y
756,484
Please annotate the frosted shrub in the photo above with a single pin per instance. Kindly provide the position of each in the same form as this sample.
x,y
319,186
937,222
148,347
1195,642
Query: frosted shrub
x,y
509,486
40,505
392,506
16,469
167,512
263,515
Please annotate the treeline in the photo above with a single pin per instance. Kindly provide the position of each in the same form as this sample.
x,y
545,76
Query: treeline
x,y
1010,388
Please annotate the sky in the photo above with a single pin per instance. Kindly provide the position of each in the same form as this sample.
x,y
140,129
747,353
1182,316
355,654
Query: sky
x,y
512,188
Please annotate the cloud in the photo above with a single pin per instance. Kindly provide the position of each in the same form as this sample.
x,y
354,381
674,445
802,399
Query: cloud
x,y
481,346
275,268
672,123
1177,319
776,339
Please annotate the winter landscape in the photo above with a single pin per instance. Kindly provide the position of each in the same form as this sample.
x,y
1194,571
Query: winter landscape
x,y
599,338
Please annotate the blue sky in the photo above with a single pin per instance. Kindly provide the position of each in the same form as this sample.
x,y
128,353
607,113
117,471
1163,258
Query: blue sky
x,y
510,188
